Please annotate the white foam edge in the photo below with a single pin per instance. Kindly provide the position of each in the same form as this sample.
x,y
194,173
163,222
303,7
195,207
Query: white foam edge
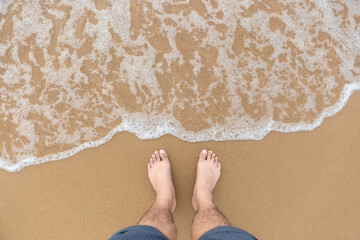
x,y
128,125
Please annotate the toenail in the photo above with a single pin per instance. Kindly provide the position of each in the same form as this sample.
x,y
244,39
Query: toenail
x,y
203,151
162,151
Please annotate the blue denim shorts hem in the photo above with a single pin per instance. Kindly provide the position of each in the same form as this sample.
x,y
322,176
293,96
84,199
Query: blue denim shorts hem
x,y
140,232
228,233
143,232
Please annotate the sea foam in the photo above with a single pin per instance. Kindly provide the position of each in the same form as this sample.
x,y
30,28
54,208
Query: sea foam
x,y
74,73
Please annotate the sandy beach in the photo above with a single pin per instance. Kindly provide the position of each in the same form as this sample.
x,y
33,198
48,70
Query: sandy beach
x,y
295,186
69,74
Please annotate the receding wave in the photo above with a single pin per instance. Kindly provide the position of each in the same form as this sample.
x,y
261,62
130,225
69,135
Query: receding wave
x,y
74,73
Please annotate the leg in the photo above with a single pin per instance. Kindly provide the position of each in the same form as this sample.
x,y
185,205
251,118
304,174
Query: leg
x,y
159,215
207,216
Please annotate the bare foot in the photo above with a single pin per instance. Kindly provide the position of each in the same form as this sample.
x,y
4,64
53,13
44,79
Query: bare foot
x,y
159,172
207,175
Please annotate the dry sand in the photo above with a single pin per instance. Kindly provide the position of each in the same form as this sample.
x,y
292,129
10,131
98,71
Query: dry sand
x,y
296,186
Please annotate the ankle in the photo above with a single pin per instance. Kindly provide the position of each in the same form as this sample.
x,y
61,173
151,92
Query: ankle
x,y
205,205
163,202
204,200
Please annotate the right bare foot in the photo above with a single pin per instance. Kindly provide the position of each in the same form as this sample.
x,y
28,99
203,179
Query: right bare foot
x,y
207,175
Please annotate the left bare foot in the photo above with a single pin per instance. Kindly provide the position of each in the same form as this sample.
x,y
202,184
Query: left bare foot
x,y
159,172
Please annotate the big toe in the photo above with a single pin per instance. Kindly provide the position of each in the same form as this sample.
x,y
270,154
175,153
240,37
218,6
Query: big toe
x,y
163,155
203,154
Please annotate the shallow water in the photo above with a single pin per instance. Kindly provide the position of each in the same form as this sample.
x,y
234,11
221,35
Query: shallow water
x,y
74,73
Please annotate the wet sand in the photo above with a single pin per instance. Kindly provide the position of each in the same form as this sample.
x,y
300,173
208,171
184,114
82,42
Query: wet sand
x,y
297,186
194,70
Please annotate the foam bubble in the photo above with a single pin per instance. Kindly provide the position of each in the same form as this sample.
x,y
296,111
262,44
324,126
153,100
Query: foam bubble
x,y
4,4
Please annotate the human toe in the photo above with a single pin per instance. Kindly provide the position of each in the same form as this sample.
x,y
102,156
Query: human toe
x,y
163,155
157,156
209,154
203,154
